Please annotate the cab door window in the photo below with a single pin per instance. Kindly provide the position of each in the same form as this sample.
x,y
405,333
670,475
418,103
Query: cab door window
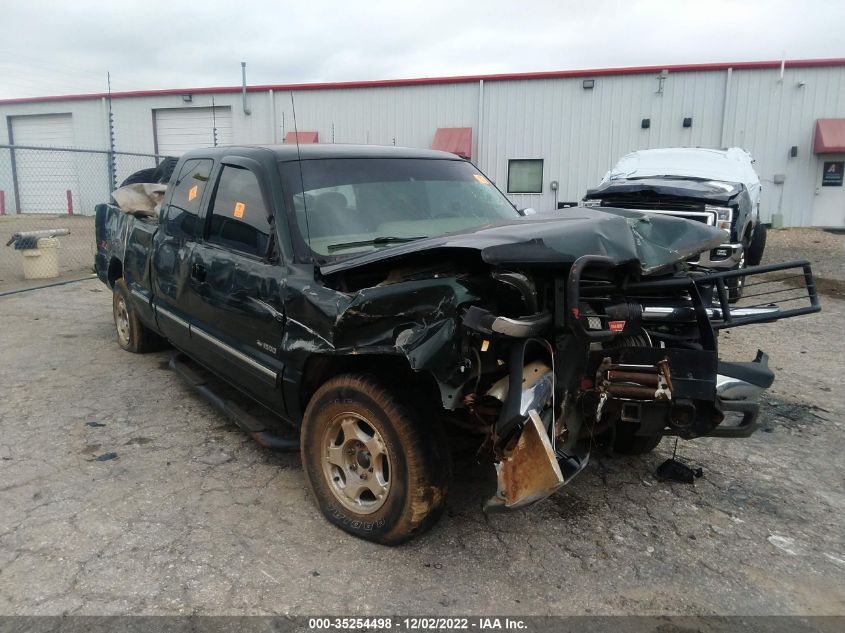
x,y
182,213
239,216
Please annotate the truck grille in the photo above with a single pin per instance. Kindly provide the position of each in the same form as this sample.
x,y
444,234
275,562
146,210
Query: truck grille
x,y
692,212
653,205
701,216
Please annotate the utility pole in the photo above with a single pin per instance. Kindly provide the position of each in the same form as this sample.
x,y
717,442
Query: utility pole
x,y
111,155
213,122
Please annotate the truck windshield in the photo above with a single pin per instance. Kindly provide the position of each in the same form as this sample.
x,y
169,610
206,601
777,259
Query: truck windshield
x,y
345,206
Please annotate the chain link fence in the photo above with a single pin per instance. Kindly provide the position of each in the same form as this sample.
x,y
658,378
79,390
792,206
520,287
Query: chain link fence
x,y
49,194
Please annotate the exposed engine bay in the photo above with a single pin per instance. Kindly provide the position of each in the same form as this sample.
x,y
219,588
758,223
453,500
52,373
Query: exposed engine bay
x,y
549,354
600,354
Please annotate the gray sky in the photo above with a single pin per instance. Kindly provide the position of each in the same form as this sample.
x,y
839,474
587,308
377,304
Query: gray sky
x,y
67,47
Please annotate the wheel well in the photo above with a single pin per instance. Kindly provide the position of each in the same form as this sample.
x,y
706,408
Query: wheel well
x,y
749,230
392,370
115,271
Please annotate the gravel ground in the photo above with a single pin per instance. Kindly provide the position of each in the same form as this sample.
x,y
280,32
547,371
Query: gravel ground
x,y
122,493
825,249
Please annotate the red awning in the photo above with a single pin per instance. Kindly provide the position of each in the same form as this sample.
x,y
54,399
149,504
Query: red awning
x,y
457,140
302,137
830,136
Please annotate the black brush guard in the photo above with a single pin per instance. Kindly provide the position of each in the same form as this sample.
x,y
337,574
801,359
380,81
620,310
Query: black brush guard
x,y
736,386
718,313
686,392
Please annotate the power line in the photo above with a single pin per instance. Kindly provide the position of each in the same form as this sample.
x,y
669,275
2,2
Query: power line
x,y
48,64
20,71
41,82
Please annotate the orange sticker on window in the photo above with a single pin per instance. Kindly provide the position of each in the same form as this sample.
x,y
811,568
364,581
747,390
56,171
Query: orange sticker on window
x,y
240,207
481,179
192,192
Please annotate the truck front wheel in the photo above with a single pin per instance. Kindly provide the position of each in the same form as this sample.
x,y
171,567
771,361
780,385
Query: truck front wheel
x,y
376,467
132,335
627,442
757,245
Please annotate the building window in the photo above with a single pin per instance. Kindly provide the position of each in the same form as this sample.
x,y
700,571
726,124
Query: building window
x,y
525,175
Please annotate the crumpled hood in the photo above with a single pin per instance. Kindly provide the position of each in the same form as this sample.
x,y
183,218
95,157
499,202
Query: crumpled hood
x,y
645,188
561,237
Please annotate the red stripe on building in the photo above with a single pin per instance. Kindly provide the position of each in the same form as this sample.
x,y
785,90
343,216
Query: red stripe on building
x,y
424,81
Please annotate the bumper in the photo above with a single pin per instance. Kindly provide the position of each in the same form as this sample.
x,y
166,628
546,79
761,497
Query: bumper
x,y
723,257
739,387
635,386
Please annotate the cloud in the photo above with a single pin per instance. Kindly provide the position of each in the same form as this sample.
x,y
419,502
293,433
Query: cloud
x,y
59,47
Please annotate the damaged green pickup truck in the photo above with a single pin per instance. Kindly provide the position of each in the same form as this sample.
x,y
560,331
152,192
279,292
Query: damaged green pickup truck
x,y
368,296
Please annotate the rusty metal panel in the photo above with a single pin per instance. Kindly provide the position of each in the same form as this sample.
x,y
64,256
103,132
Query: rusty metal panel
x,y
530,472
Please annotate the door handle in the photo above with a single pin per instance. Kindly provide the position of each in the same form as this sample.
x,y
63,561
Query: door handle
x,y
198,272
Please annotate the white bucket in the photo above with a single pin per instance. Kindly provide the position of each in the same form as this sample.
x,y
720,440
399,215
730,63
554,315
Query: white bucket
x,y
42,262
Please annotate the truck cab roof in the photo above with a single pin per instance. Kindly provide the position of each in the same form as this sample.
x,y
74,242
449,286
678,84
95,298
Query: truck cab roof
x,y
312,151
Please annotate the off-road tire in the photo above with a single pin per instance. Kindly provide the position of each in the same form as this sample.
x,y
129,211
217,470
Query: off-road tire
x,y
165,168
160,174
132,335
141,176
413,443
625,442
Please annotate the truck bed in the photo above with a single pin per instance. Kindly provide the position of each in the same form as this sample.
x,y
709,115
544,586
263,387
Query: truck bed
x,y
124,246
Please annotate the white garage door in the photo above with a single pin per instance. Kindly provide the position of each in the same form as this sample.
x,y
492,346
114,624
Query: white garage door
x,y
181,129
43,177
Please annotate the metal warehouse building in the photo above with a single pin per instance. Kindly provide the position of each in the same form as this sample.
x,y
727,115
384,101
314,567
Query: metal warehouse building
x,y
544,138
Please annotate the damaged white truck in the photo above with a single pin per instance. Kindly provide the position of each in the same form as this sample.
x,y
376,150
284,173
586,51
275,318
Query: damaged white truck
x,y
716,187
369,295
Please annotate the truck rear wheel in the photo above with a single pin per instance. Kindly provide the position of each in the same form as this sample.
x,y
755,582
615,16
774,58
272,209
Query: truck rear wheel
x,y
376,468
132,335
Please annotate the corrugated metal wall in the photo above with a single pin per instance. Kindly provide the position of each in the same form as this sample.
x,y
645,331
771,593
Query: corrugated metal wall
x,y
579,133
403,115
768,116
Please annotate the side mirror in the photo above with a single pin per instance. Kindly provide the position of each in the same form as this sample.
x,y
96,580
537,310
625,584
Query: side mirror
x,y
529,211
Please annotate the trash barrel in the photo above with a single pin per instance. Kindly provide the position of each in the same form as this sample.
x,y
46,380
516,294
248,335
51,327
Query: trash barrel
x,y
41,262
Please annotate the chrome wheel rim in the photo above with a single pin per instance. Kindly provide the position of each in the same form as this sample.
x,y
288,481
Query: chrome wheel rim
x,y
121,321
356,463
